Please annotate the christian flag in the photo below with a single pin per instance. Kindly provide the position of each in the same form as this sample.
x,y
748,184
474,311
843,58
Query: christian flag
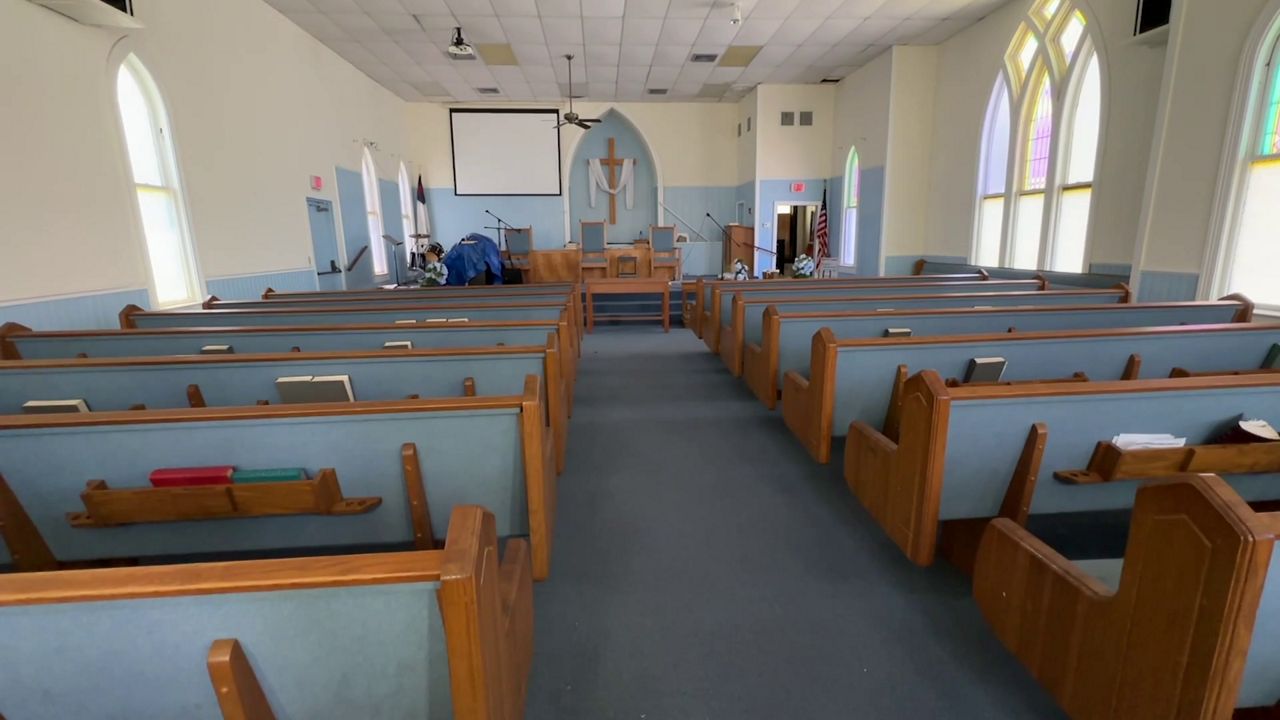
x,y
821,234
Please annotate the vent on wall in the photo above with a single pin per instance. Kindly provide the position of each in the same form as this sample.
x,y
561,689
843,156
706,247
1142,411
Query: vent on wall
x,y
806,118
100,13
788,119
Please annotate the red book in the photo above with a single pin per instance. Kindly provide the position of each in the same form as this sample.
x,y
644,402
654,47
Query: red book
x,y
190,476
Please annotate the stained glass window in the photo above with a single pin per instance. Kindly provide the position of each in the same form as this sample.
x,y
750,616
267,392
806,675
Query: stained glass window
x,y
1069,37
1046,9
1271,122
1027,52
1040,138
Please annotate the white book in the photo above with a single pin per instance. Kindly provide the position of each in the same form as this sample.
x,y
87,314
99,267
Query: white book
x,y
406,322
44,407
1147,441
437,320
332,388
294,388
897,332
217,350
397,345
985,369
458,320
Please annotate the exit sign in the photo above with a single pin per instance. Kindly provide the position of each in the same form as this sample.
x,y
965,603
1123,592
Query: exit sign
x,y
797,187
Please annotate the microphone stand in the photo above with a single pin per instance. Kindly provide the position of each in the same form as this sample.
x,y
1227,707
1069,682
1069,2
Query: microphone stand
x,y
502,225
395,258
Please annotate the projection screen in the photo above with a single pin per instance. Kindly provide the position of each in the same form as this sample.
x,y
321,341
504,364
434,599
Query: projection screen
x,y
505,152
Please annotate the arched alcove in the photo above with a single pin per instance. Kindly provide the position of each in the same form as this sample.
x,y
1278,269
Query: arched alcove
x,y
628,143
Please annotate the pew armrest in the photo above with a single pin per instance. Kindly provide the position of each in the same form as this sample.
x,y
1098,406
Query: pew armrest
x,y
516,588
1171,640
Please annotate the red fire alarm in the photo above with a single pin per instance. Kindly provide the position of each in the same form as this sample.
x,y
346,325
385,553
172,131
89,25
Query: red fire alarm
x,y
797,187
317,182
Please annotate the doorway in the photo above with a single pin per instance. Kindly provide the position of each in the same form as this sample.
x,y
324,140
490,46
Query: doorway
x,y
795,225
324,245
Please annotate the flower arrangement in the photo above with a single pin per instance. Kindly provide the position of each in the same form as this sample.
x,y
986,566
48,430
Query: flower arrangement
x,y
435,273
803,267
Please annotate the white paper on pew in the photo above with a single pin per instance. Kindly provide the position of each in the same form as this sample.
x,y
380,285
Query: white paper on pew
x,y
1141,441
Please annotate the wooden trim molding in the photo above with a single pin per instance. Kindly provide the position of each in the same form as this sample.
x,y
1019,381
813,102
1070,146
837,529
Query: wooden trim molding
x,y
540,476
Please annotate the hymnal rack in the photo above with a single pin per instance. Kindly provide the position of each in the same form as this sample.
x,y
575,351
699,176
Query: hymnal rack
x,y
321,495
1109,463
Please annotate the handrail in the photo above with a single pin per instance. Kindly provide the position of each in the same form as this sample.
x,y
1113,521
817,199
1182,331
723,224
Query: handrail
x,y
354,261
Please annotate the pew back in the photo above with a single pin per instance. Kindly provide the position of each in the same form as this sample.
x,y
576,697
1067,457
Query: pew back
x,y
341,316
722,299
787,338
746,321
477,290
854,380
959,448
1055,279
492,450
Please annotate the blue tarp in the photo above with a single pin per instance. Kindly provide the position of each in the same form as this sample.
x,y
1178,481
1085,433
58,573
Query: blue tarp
x,y
471,258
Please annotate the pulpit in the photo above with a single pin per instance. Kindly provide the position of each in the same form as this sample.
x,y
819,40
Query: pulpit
x,y
740,244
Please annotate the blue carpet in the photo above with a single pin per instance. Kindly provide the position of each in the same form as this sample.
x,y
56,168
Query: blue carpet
x,y
705,567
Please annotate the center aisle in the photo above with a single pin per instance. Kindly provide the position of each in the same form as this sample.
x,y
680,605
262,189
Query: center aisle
x,y
705,567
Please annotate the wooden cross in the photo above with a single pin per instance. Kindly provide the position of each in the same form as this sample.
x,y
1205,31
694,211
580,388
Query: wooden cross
x,y
614,163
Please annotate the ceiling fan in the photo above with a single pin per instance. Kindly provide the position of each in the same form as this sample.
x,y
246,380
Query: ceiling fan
x,y
571,117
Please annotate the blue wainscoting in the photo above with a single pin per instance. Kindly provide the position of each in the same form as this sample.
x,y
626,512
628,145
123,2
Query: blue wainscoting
x,y
1165,286
80,312
1111,268
693,203
870,219
453,216
250,287
746,195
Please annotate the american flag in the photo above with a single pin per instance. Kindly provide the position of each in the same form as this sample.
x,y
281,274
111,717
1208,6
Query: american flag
x,y
821,233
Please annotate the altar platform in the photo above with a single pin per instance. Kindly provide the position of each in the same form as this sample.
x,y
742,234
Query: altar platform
x,y
565,265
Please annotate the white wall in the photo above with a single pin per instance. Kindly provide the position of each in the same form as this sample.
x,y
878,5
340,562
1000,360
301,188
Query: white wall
x,y
1206,45
862,114
747,111
693,143
256,106
794,152
907,169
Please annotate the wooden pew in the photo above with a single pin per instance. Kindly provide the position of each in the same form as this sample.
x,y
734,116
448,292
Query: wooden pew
x,y
925,266
417,458
420,297
107,384
787,338
861,379
273,294
958,447
722,298
746,319
1185,625
696,302
431,633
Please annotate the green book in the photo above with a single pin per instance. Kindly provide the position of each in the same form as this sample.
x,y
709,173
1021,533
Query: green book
x,y
1272,361
269,475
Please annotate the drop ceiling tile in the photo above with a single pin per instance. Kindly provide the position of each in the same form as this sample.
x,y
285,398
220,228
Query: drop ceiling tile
x,y
690,9
426,7
523,30
470,7
795,30
641,31
716,33
505,74
539,73
336,6
535,54
671,55
636,55
808,54
395,22
833,30
908,30
858,8
562,30
482,29
872,29
724,74
603,8
633,74
514,8
602,55
942,31
436,22
773,54
384,7
602,31
560,8
602,74
662,76
774,8
679,31
476,74
546,89
900,9
647,8
757,31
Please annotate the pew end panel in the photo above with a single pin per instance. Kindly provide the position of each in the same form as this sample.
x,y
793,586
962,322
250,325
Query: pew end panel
x,y
8,349
731,336
126,316
806,402
760,362
1171,640
235,684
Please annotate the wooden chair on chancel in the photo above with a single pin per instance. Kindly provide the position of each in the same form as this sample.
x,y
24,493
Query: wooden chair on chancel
x,y
664,256
519,245
591,236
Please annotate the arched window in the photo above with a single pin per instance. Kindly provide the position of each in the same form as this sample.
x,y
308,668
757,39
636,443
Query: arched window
x,y
373,208
849,231
171,256
407,204
1040,145
1251,252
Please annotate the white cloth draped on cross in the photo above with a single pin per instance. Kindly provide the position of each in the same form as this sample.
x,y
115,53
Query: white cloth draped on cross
x,y
626,181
